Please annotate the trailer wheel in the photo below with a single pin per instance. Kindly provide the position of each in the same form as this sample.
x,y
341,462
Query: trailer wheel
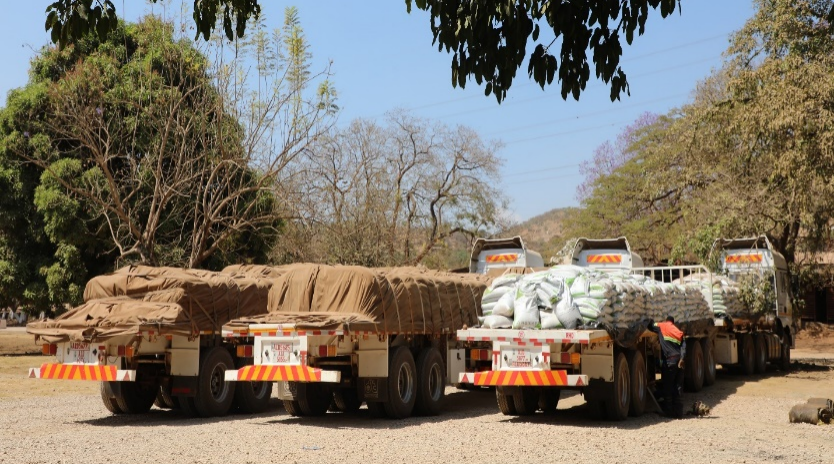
x,y
785,359
639,384
214,394
694,368
252,397
760,347
505,402
313,398
549,399
347,400
431,383
164,400
526,400
746,355
709,362
402,385
136,398
109,399
292,407
619,400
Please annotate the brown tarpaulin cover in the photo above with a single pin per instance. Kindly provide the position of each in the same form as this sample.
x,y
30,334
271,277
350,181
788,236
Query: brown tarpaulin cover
x,y
169,300
254,270
405,300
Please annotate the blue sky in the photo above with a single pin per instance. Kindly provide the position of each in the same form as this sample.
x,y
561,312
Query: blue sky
x,y
383,59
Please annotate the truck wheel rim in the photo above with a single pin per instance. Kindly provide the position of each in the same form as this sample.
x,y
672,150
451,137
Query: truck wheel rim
x,y
217,385
641,385
435,382
622,386
405,384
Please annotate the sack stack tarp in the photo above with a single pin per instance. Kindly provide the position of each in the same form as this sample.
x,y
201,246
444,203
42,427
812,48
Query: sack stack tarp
x,y
571,297
391,300
167,300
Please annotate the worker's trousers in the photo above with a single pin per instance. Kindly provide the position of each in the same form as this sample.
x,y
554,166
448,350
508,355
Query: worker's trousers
x,y
672,381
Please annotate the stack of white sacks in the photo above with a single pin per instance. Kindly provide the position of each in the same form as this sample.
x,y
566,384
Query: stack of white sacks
x,y
725,296
570,296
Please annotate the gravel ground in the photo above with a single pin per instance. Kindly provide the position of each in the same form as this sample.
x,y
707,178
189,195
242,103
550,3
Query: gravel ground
x,y
749,423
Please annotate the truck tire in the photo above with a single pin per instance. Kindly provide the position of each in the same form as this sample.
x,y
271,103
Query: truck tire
x,y
164,400
402,384
252,397
549,399
760,350
109,399
313,398
214,395
136,398
709,362
694,367
526,400
785,359
619,396
347,400
746,354
505,402
292,407
431,383
639,384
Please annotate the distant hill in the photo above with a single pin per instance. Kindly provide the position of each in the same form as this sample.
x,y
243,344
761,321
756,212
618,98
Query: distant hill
x,y
544,233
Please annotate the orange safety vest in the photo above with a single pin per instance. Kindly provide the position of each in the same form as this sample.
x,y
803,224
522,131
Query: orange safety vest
x,y
670,332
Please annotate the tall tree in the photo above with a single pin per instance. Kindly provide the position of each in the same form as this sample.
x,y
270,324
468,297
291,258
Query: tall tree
x,y
144,152
395,194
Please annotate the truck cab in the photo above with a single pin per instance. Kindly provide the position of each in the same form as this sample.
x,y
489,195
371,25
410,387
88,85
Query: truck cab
x,y
755,255
603,254
502,253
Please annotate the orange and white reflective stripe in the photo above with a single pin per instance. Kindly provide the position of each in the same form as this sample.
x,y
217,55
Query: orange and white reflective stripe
x,y
743,259
81,372
288,333
558,378
605,259
503,258
266,373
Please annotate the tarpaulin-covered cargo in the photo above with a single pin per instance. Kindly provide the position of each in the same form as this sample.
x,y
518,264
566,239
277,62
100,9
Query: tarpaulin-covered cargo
x,y
402,300
167,300
254,270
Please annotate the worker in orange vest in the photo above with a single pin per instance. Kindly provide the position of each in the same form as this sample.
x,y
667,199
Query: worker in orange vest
x,y
673,352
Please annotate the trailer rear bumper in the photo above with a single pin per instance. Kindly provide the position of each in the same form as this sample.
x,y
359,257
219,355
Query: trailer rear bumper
x,y
557,378
81,372
274,373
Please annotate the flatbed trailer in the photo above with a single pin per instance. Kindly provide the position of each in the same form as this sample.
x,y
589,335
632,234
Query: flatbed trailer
x,y
530,368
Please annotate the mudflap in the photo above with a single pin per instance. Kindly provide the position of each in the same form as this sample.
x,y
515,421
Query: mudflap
x,y
374,388
182,385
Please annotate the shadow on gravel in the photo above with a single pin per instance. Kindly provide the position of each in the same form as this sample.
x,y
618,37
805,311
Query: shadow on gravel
x,y
173,417
458,405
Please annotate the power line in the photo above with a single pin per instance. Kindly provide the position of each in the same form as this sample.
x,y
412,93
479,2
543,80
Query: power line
x,y
537,171
542,179
554,95
594,113
529,84
556,134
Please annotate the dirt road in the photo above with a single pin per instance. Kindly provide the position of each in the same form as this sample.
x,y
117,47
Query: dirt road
x,y
51,421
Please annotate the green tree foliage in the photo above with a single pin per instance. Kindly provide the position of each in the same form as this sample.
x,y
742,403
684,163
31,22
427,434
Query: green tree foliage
x,y
136,149
71,20
488,40
752,153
